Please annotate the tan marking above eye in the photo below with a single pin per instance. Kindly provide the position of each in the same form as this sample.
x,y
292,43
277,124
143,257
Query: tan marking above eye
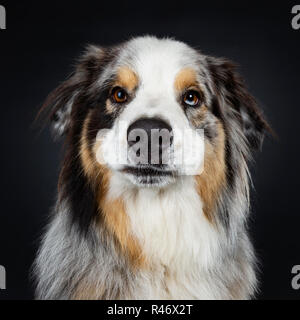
x,y
185,78
127,78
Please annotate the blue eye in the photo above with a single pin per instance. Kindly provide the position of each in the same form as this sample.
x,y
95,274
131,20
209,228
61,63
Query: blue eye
x,y
191,98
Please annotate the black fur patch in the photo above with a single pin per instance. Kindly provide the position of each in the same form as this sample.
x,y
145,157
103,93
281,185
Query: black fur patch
x,y
74,185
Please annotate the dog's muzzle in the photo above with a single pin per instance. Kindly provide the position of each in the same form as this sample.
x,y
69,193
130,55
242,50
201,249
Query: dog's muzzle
x,y
150,143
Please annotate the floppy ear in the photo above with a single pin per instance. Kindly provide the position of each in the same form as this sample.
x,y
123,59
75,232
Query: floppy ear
x,y
59,103
232,93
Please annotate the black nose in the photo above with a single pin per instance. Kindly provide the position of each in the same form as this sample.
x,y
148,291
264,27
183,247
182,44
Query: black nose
x,y
154,133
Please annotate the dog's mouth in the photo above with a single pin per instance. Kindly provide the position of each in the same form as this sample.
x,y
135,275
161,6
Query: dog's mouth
x,y
148,170
151,175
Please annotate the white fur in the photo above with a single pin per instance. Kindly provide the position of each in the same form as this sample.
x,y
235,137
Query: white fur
x,y
174,233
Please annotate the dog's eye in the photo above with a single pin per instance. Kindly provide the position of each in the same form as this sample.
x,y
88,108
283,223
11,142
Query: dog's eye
x,y
119,95
191,98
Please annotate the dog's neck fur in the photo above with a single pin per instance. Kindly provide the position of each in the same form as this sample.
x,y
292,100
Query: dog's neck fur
x,y
184,249
169,223
190,257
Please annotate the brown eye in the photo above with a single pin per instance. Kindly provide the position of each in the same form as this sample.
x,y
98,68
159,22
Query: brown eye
x,y
191,98
119,95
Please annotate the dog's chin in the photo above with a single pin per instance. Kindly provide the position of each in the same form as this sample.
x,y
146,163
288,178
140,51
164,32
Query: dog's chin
x,y
149,176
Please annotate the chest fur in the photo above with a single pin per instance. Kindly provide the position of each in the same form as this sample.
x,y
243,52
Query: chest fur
x,y
171,228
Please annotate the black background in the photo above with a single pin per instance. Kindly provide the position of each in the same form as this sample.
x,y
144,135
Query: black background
x,y
37,51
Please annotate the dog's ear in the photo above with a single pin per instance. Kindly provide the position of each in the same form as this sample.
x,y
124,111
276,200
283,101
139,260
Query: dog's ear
x,y
59,103
234,99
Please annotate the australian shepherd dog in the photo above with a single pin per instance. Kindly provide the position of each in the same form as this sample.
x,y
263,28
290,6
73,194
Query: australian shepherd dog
x,y
153,194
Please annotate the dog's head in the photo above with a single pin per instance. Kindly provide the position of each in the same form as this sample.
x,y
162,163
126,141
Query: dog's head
x,y
152,110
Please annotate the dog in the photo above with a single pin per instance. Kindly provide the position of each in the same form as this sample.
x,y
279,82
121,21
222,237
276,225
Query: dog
x,y
129,228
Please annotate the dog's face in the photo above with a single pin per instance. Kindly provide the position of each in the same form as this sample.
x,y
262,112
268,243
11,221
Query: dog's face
x,y
151,111
156,98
